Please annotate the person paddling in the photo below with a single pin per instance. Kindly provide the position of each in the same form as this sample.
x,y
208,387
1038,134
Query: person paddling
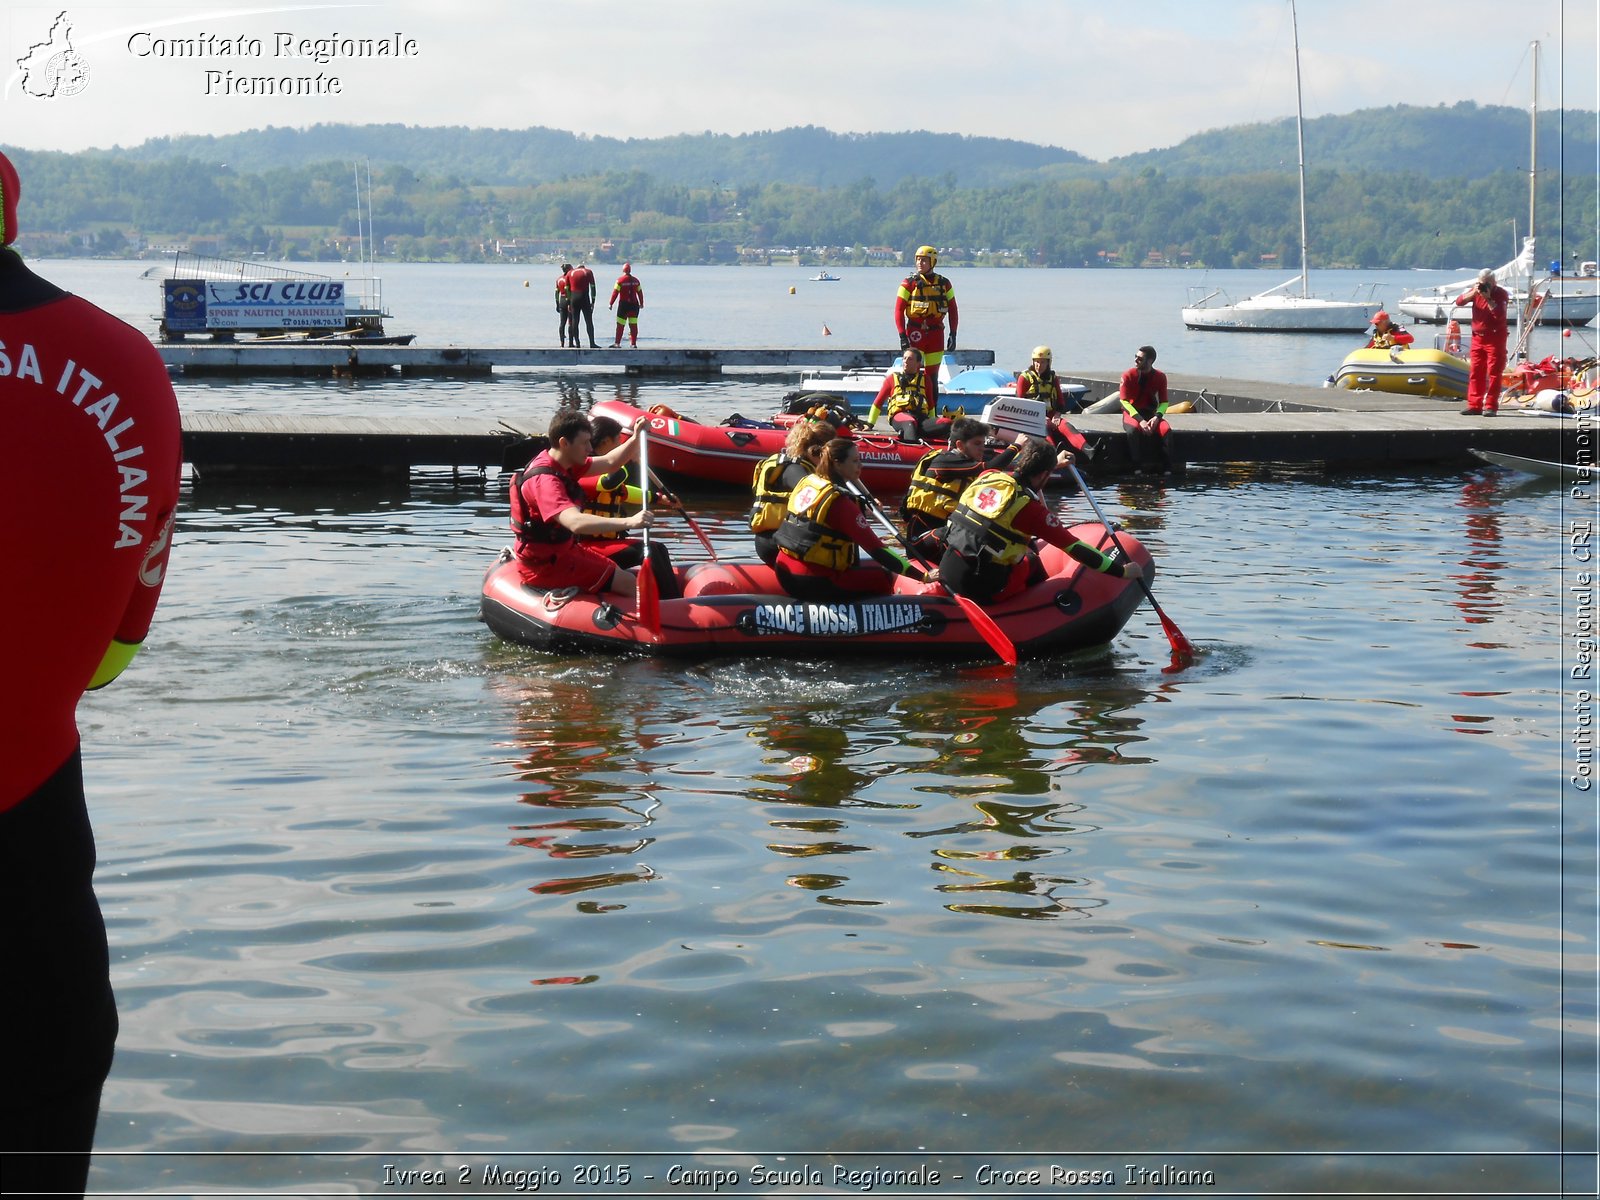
x,y
776,477
547,515
940,477
824,532
989,555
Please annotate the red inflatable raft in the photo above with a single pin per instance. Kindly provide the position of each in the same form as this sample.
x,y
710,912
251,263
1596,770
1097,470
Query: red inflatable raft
x,y
739,609
728,454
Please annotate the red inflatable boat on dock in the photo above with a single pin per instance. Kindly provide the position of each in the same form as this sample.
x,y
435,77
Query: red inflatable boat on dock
x,y
739,609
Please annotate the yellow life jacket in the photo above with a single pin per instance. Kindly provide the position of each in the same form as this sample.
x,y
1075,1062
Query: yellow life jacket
x,y
981,525
610,499
771,497
804,532
910,395
1040,387
930,494
927,299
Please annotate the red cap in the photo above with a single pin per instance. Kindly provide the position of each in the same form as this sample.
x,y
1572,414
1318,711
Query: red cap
x,y
627,267
1380,315
10,191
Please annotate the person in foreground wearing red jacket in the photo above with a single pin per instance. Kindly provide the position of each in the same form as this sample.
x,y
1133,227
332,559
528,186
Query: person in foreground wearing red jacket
x,y
1486,360
91,486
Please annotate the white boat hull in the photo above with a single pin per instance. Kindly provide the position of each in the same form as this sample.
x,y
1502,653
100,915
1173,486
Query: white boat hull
x,y
1573,307
1283,314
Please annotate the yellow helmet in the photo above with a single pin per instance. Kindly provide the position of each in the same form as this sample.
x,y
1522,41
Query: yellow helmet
x,y
1042,352
929,251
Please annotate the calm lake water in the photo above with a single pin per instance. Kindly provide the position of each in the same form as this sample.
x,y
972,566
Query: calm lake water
x,y
1315,915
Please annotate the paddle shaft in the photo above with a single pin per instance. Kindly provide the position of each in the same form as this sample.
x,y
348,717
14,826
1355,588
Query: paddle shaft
x,y
649,599
991,633
1180,644
694,525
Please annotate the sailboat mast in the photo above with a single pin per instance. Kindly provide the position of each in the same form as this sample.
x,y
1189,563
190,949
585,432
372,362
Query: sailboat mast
x,y
1533,142
1300,136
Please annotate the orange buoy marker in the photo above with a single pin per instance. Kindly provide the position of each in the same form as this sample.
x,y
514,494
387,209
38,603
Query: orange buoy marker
x,y
826,332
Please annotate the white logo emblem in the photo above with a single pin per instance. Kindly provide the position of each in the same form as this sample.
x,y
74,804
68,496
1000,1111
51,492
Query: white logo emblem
x,y
53,69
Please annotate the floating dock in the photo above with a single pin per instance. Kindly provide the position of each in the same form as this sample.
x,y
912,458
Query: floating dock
x,y
1235,421
303,358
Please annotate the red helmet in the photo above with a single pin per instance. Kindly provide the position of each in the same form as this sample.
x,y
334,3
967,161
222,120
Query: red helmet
x,y
627,268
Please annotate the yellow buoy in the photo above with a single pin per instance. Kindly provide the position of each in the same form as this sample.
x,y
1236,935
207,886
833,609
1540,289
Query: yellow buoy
x,y
791,291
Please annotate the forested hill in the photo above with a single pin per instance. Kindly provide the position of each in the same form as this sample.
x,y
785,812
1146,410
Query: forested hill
x,y
1465,141
805,156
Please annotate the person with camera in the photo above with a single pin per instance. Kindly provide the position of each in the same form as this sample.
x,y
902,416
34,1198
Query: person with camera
x,y
1487,357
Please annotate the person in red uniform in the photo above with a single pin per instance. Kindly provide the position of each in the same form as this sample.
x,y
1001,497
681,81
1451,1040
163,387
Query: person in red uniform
x,y
940,477
581,290
922,304
1487,357
824,532
627,297
563,302
617,495
1040,382
1143,393
989,555
1386,335
904,394
548,519
91,486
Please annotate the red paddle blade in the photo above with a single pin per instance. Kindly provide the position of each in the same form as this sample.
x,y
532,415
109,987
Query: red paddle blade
x,y
988,630
649,600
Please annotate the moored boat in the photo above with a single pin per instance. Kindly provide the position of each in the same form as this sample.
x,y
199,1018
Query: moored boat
x,y
1407,370
728,453
1554,471
739,609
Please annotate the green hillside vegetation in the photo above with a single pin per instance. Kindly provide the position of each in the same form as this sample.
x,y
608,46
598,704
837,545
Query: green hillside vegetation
x,y
1389,188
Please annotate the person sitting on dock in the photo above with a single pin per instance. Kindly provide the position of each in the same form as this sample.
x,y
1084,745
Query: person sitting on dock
x,y
1143,393
776,477
1386,335
1040,382
904,393
824,531
940,477
548,518
627,297
616,494
989,555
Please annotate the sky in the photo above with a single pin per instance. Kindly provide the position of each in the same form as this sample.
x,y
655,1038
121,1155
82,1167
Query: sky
x,y
1099,78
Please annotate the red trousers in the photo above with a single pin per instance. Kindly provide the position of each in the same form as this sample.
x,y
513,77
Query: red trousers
x,y
1487,361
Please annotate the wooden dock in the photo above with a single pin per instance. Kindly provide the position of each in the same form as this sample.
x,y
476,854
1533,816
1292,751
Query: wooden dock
x,y
288,358
1236,422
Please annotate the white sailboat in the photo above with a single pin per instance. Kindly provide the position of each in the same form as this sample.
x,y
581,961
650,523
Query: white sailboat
x,y
1278,310
1567,300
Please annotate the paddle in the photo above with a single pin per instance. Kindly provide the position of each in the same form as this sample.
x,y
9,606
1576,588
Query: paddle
x,y
1181,646
649,596
655,482
980,620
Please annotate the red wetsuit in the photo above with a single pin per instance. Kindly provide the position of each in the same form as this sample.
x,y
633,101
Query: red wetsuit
x,y
1487,356
581,290
1144,395
550,556
921,307
813,582
91,486
627,295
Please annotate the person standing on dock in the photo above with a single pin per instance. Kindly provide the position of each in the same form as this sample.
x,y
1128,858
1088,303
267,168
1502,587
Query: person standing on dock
x,y
627,296
581,289
921,306
1487,356
563,302
91,483
1143,393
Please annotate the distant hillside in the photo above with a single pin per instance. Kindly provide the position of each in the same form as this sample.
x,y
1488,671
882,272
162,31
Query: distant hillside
x,y
1463,141
806,156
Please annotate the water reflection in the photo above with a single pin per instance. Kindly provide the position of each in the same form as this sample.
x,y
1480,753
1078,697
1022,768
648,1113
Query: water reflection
x,y
1485,561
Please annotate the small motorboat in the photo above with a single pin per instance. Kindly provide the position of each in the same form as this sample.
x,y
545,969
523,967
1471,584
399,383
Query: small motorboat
x,y
824,277
739,609
1406,370
728,453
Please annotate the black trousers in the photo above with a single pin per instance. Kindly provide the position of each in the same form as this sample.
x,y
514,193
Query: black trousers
x,y
61,1018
